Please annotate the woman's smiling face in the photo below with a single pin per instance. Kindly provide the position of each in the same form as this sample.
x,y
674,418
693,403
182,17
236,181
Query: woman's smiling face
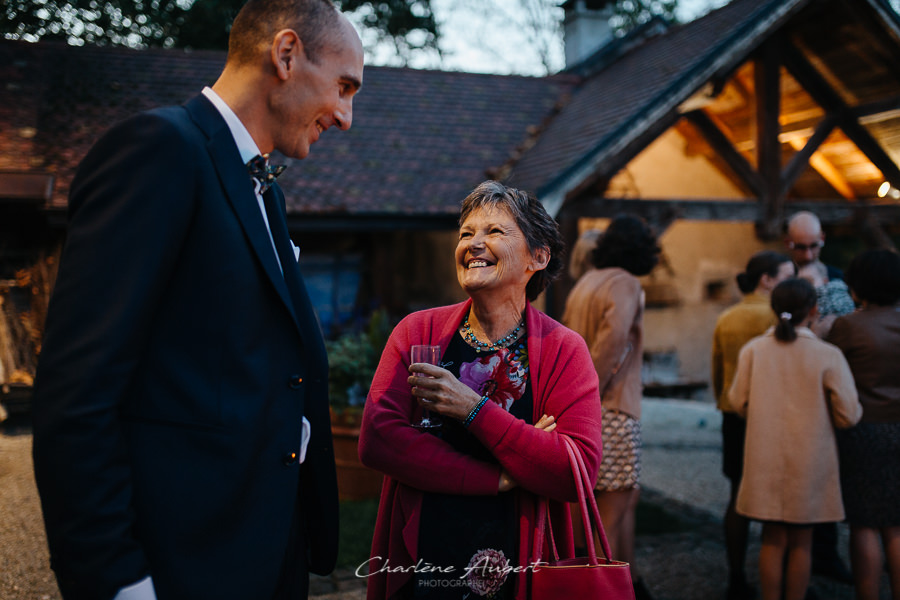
x,y
492,253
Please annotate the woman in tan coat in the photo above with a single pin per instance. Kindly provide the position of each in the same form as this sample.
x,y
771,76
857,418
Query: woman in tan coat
x,y
736,326
606,307
793,389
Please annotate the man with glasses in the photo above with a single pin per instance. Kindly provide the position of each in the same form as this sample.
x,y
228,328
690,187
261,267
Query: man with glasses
x,y
805,240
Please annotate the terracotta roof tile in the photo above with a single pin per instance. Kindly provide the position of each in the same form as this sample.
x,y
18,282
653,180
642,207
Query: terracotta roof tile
x,y
420,139
618,94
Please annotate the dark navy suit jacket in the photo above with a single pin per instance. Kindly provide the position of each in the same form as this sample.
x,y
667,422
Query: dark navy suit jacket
x,y
175,371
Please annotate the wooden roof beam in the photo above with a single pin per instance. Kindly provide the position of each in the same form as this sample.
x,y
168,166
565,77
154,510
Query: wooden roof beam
x,y
723,146
805,152
829,172
767,86
848,122
729,209
869,112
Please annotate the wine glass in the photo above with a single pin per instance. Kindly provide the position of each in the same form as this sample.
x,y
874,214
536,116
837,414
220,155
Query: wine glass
x,y
432,356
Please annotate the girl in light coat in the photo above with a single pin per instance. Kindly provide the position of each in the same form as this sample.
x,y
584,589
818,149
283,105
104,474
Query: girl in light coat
x,y
793,389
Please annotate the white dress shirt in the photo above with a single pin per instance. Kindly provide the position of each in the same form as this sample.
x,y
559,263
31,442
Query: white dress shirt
x,y
248,150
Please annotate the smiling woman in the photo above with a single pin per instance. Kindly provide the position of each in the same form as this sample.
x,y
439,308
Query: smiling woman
x,y
509,382
492,254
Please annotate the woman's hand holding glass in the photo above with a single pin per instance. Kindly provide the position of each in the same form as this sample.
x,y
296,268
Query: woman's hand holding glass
x,y
437,390
430,355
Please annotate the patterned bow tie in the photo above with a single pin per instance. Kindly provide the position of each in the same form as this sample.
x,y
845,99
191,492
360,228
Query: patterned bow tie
x,y
262,171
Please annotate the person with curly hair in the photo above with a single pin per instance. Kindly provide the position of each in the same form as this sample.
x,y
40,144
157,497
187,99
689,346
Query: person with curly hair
x,y
606,307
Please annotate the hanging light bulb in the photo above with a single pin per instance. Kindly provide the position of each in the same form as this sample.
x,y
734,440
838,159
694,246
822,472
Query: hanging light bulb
x,y
887,190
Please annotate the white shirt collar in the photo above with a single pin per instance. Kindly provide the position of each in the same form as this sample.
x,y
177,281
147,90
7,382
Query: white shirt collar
x,y
245,144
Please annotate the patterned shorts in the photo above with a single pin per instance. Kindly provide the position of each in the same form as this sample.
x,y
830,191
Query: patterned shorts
x,y
621,466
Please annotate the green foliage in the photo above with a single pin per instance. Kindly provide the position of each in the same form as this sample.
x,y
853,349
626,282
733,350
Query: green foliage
x,y
408,24
352,359
201,24
628,14
351,365
110,22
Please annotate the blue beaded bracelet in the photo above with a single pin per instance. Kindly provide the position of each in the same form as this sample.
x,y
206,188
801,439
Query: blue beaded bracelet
x,y
472,413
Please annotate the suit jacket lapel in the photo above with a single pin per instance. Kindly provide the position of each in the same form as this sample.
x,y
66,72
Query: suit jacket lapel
x,y
312,334
292,277
239,191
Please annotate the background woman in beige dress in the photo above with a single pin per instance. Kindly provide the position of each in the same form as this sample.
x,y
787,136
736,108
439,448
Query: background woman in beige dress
x,y
606,307
793,389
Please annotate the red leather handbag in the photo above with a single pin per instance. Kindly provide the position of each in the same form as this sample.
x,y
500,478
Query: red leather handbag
x,y
581,577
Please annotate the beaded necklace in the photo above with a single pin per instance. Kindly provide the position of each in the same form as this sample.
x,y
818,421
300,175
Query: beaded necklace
x,y
480,346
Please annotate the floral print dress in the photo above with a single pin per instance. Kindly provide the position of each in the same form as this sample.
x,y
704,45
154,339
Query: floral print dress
x,y
469,543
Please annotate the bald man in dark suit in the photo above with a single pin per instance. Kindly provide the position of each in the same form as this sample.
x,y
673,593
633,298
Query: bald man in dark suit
x,y
182,443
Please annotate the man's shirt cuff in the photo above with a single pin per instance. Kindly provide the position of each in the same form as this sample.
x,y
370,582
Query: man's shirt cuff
x,y
142,590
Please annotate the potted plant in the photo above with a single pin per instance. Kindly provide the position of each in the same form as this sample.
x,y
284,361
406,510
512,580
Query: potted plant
x,y
352,359
351,365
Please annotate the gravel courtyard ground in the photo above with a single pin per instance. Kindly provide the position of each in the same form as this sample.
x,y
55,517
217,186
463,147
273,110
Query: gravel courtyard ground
x,y
24,564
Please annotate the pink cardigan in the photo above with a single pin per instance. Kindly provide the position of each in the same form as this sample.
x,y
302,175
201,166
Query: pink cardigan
x,y
564,384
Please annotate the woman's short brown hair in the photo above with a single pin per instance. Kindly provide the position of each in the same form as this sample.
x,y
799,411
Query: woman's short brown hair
x,y
539,228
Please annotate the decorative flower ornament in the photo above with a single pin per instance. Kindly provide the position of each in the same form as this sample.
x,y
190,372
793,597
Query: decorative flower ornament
x,y
487,571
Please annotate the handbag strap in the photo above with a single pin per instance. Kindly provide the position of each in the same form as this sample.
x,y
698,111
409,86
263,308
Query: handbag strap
x,y
587,503
588,493
545,513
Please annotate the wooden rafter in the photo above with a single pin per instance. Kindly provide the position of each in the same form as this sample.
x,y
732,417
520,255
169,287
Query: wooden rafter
x,y
797,128
887,106
805,152
767,85
768,181
720,142
724,209
828,171
848,122
808,155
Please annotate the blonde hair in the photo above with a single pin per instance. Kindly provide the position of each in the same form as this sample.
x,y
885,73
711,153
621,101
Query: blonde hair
x,y
815,272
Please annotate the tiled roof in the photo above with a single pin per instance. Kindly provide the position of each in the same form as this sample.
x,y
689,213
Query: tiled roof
x,y
56,100
613,102
420,140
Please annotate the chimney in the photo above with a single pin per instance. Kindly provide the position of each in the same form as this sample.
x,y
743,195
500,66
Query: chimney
x,y
587,28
